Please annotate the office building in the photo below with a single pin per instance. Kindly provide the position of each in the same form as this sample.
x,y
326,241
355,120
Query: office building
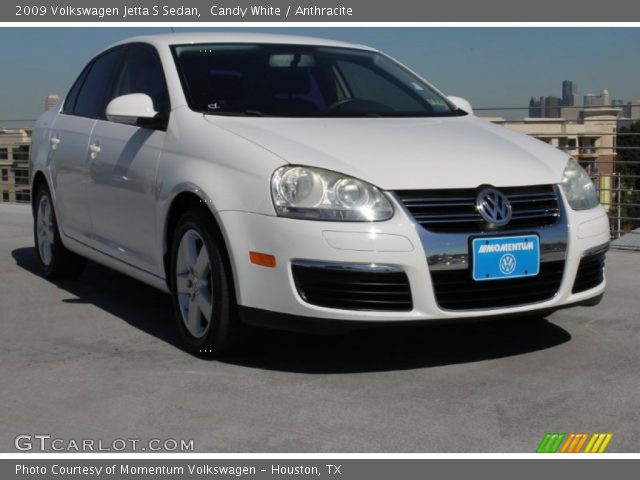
x,y
569,93
15,151
552,107
591,139
51,101
602,99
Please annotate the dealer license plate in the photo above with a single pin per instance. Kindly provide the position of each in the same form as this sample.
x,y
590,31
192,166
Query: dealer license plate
x,y
501,258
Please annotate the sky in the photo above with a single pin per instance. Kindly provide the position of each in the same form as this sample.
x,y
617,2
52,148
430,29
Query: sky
x,y
490,67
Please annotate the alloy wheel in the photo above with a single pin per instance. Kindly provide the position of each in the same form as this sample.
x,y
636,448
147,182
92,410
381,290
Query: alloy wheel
x,y
44,230
194,283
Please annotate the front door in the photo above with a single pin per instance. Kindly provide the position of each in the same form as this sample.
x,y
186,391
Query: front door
x,y
123,169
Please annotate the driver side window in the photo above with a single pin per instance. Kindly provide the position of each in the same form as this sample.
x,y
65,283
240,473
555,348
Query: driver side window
x,y
142,72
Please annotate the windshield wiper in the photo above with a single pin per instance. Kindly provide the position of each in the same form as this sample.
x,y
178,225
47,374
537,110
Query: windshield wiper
x,y
241,113
354,115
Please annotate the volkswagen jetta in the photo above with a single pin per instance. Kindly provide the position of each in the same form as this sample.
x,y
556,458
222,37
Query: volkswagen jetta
x,y
305,184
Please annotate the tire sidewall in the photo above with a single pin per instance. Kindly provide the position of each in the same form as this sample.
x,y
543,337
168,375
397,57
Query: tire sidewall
x,y
46,269
216,339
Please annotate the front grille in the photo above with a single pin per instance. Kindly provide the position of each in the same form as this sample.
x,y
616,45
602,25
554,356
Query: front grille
x,y
456,290
353,289
590,273
454,210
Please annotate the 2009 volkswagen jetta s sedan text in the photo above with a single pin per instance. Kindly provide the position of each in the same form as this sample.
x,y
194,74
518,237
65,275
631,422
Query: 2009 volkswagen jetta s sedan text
x,y
305,184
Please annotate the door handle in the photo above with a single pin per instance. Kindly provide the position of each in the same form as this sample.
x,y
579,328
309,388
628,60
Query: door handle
x,y
55,141
94,150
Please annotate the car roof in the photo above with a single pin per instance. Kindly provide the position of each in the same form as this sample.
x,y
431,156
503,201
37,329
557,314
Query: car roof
x,y
164,40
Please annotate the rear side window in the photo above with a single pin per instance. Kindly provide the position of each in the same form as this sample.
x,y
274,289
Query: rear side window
x,y
72,96
91,100
142,73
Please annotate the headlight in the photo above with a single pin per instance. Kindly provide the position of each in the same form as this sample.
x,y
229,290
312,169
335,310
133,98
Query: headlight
x,y
578,187
316,194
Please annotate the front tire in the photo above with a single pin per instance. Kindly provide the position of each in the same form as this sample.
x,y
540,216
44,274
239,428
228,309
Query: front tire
x,y
201,287
54,260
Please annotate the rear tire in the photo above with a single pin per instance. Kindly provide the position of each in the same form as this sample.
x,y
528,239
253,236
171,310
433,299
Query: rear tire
x,y
202,288
54,260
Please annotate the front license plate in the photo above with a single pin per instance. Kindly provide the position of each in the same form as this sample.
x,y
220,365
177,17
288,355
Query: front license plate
x,y
500,258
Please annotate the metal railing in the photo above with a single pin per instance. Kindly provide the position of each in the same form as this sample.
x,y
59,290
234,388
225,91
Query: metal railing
x,y
613,167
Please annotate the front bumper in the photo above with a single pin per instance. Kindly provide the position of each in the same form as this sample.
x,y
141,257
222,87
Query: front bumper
x,y
398,242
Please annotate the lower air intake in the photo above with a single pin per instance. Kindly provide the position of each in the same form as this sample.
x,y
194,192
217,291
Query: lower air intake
x,y
342,287
456,290
590,273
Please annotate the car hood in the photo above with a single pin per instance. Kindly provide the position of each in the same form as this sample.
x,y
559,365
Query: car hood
x,y
406,153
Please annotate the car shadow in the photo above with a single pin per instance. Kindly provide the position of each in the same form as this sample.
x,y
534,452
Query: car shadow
x,y
377,349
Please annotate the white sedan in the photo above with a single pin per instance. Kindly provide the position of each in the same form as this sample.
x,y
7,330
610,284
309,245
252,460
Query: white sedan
x,y
305,184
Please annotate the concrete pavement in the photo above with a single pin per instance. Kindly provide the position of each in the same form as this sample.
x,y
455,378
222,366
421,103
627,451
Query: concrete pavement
x,y
97,358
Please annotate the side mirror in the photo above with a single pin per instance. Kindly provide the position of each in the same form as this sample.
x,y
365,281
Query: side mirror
x,y
131,109
462,104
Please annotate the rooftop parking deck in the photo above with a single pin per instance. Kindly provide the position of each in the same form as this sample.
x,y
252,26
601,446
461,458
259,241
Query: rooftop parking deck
x,y
97,358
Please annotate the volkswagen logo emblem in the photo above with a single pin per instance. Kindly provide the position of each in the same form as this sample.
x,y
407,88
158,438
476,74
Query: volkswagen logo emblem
x,y
493,206
507,264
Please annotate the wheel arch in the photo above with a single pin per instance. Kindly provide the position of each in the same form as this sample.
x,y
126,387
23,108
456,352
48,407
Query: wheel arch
x,y
180,204
39,179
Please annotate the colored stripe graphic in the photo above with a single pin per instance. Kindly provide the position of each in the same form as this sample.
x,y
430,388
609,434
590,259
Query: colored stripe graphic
x,y
581,442
550,443
570,438
598,443
555,442
577,441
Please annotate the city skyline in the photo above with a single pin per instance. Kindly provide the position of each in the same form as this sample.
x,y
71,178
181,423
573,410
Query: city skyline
x,y
571,98
491,67
571,102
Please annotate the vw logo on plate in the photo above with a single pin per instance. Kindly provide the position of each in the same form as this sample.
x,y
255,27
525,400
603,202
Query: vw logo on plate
x,y
507,264
493,206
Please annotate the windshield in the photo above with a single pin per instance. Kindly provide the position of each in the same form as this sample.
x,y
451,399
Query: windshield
x,y
302,81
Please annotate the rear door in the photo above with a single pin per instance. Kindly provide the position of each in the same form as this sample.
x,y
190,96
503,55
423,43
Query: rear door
x,y
69,148
123,173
